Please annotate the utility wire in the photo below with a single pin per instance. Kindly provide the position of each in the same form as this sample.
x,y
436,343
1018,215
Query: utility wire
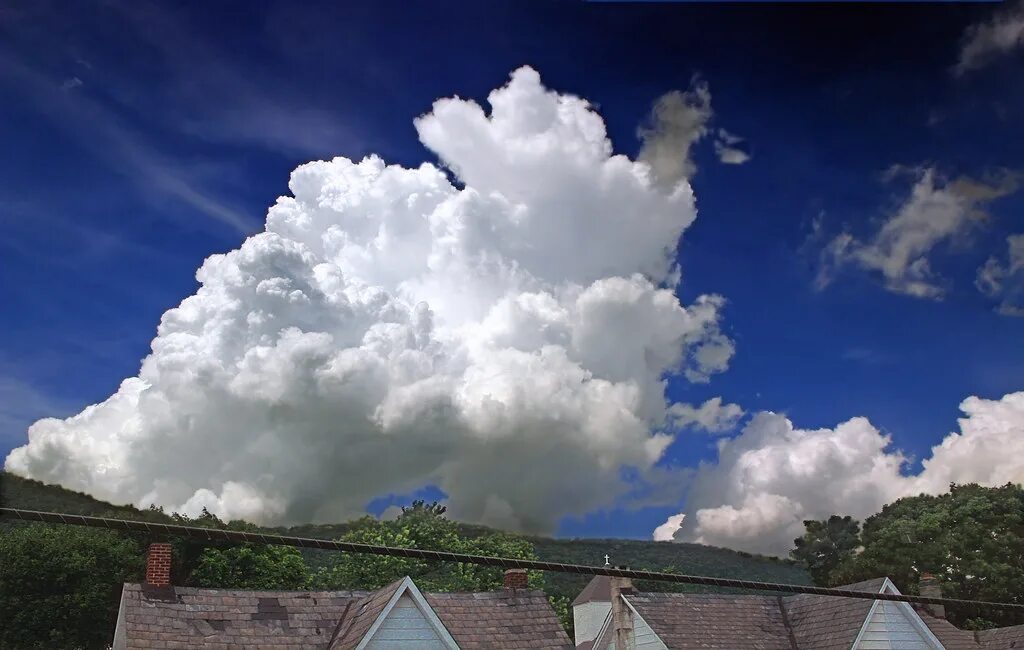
x,y
237,536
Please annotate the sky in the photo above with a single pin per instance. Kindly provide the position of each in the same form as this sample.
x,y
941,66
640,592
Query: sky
x,y
585,269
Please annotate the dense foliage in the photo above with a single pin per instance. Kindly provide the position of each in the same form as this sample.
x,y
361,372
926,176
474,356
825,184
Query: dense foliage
x,y
825,545
251,567
422,526
971,539
60,587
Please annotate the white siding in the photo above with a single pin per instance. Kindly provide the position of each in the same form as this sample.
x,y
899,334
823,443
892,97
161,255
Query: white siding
x,y
588,618
644,637
889,628
406,627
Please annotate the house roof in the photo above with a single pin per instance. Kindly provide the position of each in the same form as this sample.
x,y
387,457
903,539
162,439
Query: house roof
x,y
354,625
710,621
1002,638
321,620
517,618
599,589
828,622
714,621
950,636
157,616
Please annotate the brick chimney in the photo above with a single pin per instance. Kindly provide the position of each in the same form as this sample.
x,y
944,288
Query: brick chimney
x,y
515,579
928,586
158,564
622,619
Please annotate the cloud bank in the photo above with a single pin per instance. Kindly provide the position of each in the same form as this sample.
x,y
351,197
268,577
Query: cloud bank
x,y
774,475
502,335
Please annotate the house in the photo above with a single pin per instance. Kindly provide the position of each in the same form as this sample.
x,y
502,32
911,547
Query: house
x,y
610,615
156,614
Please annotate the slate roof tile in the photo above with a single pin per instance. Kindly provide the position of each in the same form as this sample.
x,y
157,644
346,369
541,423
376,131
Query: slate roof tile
x,y
713,621
184,617
1002,638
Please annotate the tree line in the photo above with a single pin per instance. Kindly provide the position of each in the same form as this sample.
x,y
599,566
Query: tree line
x,y
60,585
970,538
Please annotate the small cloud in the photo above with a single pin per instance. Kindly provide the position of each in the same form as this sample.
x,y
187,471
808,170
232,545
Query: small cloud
x,y
73,82
730,148
984,42
667,531
712,416
936,211
1004,280
677,121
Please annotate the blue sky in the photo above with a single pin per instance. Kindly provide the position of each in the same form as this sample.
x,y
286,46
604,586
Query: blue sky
x,y
143,137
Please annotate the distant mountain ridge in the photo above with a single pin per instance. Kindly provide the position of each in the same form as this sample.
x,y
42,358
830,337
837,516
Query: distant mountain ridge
x,y
694,559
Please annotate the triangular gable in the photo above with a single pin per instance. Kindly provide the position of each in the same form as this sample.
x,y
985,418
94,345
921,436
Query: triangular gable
x,y
890,624
643,634
407,593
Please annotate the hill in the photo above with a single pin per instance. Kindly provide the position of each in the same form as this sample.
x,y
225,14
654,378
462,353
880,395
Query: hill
x,y
18,492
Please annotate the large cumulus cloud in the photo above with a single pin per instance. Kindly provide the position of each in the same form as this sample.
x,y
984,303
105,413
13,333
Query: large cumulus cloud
x,y
499,326
774,475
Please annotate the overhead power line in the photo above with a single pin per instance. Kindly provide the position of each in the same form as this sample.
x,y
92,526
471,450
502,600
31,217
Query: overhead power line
x,y
237,536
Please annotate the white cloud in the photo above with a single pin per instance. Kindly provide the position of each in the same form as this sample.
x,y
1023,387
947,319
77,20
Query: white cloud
x,y
984,42
506,341
678,120
773,476
728,150
666,532
1005,280
936,212
988,449
711,416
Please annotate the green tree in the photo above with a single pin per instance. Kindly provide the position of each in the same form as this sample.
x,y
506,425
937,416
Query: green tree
x,y
825,545
60,586
423,526
251,567
971,539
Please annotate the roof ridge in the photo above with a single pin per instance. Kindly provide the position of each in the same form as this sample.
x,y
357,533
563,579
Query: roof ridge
x,y
786,624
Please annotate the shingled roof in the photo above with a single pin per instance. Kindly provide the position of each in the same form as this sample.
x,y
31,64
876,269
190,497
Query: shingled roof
x,y
713,621
354,625
502,619
829,623
184,617
1002,638
599,589
684,621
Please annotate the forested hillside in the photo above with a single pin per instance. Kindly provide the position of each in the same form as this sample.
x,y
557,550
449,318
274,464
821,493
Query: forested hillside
x,y
683,558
